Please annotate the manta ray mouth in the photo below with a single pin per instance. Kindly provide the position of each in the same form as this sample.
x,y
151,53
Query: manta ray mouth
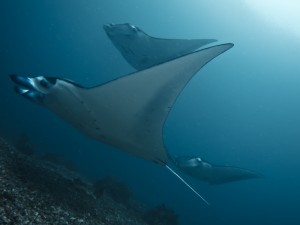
x,y
33,89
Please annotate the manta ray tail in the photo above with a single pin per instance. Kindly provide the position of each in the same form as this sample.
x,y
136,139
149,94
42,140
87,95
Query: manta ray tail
x,y
189,186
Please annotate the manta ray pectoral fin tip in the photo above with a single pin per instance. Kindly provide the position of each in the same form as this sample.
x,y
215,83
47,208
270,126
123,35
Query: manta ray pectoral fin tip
x,y
229,44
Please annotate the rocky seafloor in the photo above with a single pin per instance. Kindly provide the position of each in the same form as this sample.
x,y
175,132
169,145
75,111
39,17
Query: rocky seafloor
x,y
36,191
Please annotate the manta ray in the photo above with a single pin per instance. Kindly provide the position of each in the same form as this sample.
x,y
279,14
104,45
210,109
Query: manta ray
x,y
142,51
128,113
213,174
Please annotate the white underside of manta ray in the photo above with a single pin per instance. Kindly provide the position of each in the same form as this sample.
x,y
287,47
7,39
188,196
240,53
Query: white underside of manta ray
x,y
128,113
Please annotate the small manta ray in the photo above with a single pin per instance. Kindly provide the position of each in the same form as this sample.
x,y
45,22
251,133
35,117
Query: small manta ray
x,y
128,113
201,170
142,51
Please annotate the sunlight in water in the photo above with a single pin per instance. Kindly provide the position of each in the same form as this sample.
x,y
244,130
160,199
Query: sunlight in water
x,y
281,13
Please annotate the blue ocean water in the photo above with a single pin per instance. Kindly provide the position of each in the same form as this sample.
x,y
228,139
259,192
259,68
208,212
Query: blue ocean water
x,y
242,109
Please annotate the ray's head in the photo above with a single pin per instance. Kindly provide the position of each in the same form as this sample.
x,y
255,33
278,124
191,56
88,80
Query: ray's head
x,y
33,88
187,161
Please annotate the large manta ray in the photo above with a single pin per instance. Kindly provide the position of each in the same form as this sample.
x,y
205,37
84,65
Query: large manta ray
x,y
142,51
128,113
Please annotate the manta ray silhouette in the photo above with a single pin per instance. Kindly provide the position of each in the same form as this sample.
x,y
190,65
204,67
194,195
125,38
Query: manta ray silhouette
x,y
213,174
142,51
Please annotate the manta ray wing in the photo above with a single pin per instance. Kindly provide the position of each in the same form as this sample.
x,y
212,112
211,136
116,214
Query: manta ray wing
x,y
142,51
129,112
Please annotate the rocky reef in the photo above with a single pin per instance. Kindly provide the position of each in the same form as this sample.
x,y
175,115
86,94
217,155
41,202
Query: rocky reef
x,y
36,191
